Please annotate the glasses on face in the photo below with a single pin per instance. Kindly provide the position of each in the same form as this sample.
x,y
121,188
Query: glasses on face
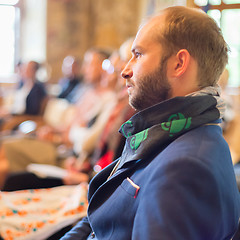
x,y
107,66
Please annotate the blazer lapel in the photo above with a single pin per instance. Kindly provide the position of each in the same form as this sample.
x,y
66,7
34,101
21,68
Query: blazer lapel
x,y
99,179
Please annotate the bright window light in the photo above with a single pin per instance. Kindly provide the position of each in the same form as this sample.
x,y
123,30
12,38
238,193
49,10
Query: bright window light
x,y
231,1
7,40
216,15
9,2
201,2
215,2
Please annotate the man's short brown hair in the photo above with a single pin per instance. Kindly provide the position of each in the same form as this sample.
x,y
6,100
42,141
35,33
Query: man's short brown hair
x,y
195,31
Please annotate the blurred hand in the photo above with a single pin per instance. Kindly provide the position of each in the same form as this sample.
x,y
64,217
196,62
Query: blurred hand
x,y
74,178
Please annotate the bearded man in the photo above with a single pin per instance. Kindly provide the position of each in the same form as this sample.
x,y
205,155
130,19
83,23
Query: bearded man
x,y
175,178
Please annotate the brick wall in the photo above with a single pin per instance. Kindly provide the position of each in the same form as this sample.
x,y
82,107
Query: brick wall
x,y
75,25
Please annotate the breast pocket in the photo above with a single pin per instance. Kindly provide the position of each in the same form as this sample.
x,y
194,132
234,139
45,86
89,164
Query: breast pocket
x,y
130,187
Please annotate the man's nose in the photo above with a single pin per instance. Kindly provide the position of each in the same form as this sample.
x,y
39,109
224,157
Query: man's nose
x,y
127,71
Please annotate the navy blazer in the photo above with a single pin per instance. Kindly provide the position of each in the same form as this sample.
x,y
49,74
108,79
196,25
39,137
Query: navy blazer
x,y
35,99
188,191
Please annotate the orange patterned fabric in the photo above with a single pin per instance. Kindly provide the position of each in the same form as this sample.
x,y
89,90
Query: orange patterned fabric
x,y
39,213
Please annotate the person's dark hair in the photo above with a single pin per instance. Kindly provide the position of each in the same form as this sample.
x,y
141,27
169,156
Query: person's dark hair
x,y
195,31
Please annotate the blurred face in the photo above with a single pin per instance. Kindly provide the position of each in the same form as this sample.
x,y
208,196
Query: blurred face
x,y
92,67
146,72
68,66
30,70
110,74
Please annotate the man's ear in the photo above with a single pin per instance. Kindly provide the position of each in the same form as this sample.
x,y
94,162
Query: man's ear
x,y
180,62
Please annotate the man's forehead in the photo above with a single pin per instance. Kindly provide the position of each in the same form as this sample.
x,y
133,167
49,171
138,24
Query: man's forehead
x,y
149,32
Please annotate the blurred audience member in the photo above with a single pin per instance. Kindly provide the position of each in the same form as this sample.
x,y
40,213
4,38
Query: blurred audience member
x,y
30,94
71,83
29,98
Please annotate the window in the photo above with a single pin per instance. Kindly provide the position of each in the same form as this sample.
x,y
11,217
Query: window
x,y
8,19
227,14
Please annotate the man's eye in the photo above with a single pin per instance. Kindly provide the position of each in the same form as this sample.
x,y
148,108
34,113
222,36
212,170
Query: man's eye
x,y
137,54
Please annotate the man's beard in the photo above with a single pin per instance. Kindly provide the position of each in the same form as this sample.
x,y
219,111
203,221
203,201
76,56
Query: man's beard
x,y
152,89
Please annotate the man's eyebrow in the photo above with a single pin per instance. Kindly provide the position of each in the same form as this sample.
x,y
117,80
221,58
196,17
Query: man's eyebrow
x,y
136,48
